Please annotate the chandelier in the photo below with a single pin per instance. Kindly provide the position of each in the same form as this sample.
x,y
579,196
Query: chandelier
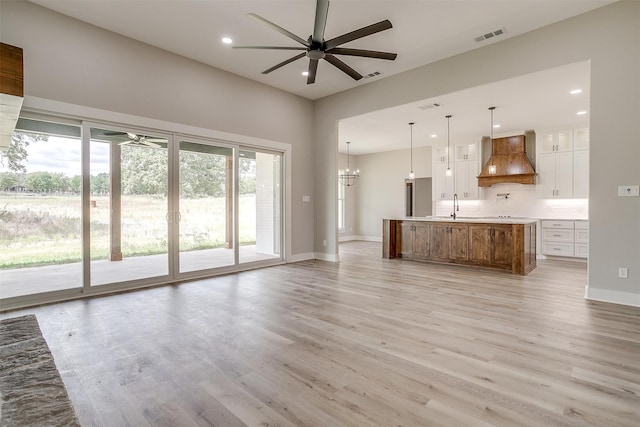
x,y
349,178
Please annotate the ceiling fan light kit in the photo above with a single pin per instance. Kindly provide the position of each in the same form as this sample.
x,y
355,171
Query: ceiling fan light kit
x,y
316,47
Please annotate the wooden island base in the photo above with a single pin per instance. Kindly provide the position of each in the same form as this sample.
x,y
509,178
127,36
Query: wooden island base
x,y
483,243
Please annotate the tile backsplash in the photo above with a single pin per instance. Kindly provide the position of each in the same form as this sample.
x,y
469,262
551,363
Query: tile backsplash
x,y
520,201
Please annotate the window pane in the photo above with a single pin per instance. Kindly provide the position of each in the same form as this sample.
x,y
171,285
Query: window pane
x,y
206,206
260,206
129,206
40,212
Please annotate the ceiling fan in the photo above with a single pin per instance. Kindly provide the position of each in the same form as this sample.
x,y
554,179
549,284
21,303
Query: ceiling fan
x,y
138,139
316,47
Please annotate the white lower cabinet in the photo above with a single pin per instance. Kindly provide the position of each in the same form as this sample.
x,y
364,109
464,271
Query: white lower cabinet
x,y
567,238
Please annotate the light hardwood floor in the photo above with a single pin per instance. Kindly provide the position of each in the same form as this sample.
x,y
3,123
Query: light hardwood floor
x,y
367,341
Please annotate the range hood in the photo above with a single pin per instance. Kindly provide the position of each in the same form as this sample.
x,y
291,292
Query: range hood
x,y
509,157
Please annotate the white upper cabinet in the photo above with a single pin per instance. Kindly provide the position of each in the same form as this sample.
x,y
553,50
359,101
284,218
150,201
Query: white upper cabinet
x,y
581,139
442,184
466,171
553,142
581,174
440,155
466,152
563,164
555,175
466,174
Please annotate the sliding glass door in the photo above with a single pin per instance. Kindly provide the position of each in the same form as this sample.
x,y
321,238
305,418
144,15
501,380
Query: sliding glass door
x,y
260,201
128,207
90,208
40,210
205,206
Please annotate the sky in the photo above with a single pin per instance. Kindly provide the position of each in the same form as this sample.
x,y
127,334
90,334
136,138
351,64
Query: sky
x,y
64,155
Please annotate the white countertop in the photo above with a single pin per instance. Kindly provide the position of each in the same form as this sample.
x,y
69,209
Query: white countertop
x,y
468,219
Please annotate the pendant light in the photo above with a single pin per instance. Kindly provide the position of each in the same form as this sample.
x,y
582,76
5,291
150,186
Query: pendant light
x,y
448,172
349,178
411,174
492,167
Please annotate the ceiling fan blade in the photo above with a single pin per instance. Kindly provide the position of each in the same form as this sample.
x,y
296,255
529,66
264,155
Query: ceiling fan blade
x,y
126,142
313,68
149,143
361,52
283,63
322,8
357,34
343,67
278,29
270,47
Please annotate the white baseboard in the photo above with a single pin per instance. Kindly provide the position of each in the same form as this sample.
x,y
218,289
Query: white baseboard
x,y
616,297
327,257
370,238
347,238
301,257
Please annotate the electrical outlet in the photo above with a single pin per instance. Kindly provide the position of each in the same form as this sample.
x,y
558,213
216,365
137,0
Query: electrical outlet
x,y
324,243
628,191
623,272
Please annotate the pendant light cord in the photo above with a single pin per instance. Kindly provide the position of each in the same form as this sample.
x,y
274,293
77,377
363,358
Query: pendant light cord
x,y
411,154
448,146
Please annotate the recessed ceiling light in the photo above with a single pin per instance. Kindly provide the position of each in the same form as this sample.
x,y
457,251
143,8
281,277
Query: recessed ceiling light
x,y
581,113
433,135
227,40
305,73
496,126
575,91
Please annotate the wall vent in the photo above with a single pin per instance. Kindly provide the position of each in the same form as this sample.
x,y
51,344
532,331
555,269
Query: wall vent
x,y
374,74
429,106
495,33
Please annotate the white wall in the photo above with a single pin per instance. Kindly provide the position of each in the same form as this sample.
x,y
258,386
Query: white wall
x,y
521,202
69,61
607,37
351,198
381,186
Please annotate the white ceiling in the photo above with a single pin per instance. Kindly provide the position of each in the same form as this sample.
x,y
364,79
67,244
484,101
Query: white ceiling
x,y
423,31
538,101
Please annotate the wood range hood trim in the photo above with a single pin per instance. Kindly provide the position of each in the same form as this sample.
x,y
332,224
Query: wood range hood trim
x,y
509,157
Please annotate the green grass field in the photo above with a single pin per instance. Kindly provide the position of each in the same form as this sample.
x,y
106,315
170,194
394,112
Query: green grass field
x,y
41,230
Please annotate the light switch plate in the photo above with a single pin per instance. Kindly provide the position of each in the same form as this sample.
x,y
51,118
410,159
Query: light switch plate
x,y
628,191
306,198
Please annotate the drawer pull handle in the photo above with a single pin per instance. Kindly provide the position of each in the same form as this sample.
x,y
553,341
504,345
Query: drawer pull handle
x,y
557,235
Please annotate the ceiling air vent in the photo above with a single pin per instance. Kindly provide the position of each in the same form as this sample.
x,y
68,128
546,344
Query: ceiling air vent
x,y
374,74
495,33
429,106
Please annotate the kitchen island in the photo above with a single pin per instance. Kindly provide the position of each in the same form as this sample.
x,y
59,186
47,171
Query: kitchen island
x,y
501,243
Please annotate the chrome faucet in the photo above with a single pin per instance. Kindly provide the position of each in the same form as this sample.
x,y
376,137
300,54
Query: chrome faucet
x,y
456,206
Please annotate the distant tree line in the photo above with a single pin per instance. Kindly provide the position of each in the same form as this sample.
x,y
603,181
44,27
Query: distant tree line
x,y
144,172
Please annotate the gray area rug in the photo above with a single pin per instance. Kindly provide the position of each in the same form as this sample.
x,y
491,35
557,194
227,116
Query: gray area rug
x,y
31,390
